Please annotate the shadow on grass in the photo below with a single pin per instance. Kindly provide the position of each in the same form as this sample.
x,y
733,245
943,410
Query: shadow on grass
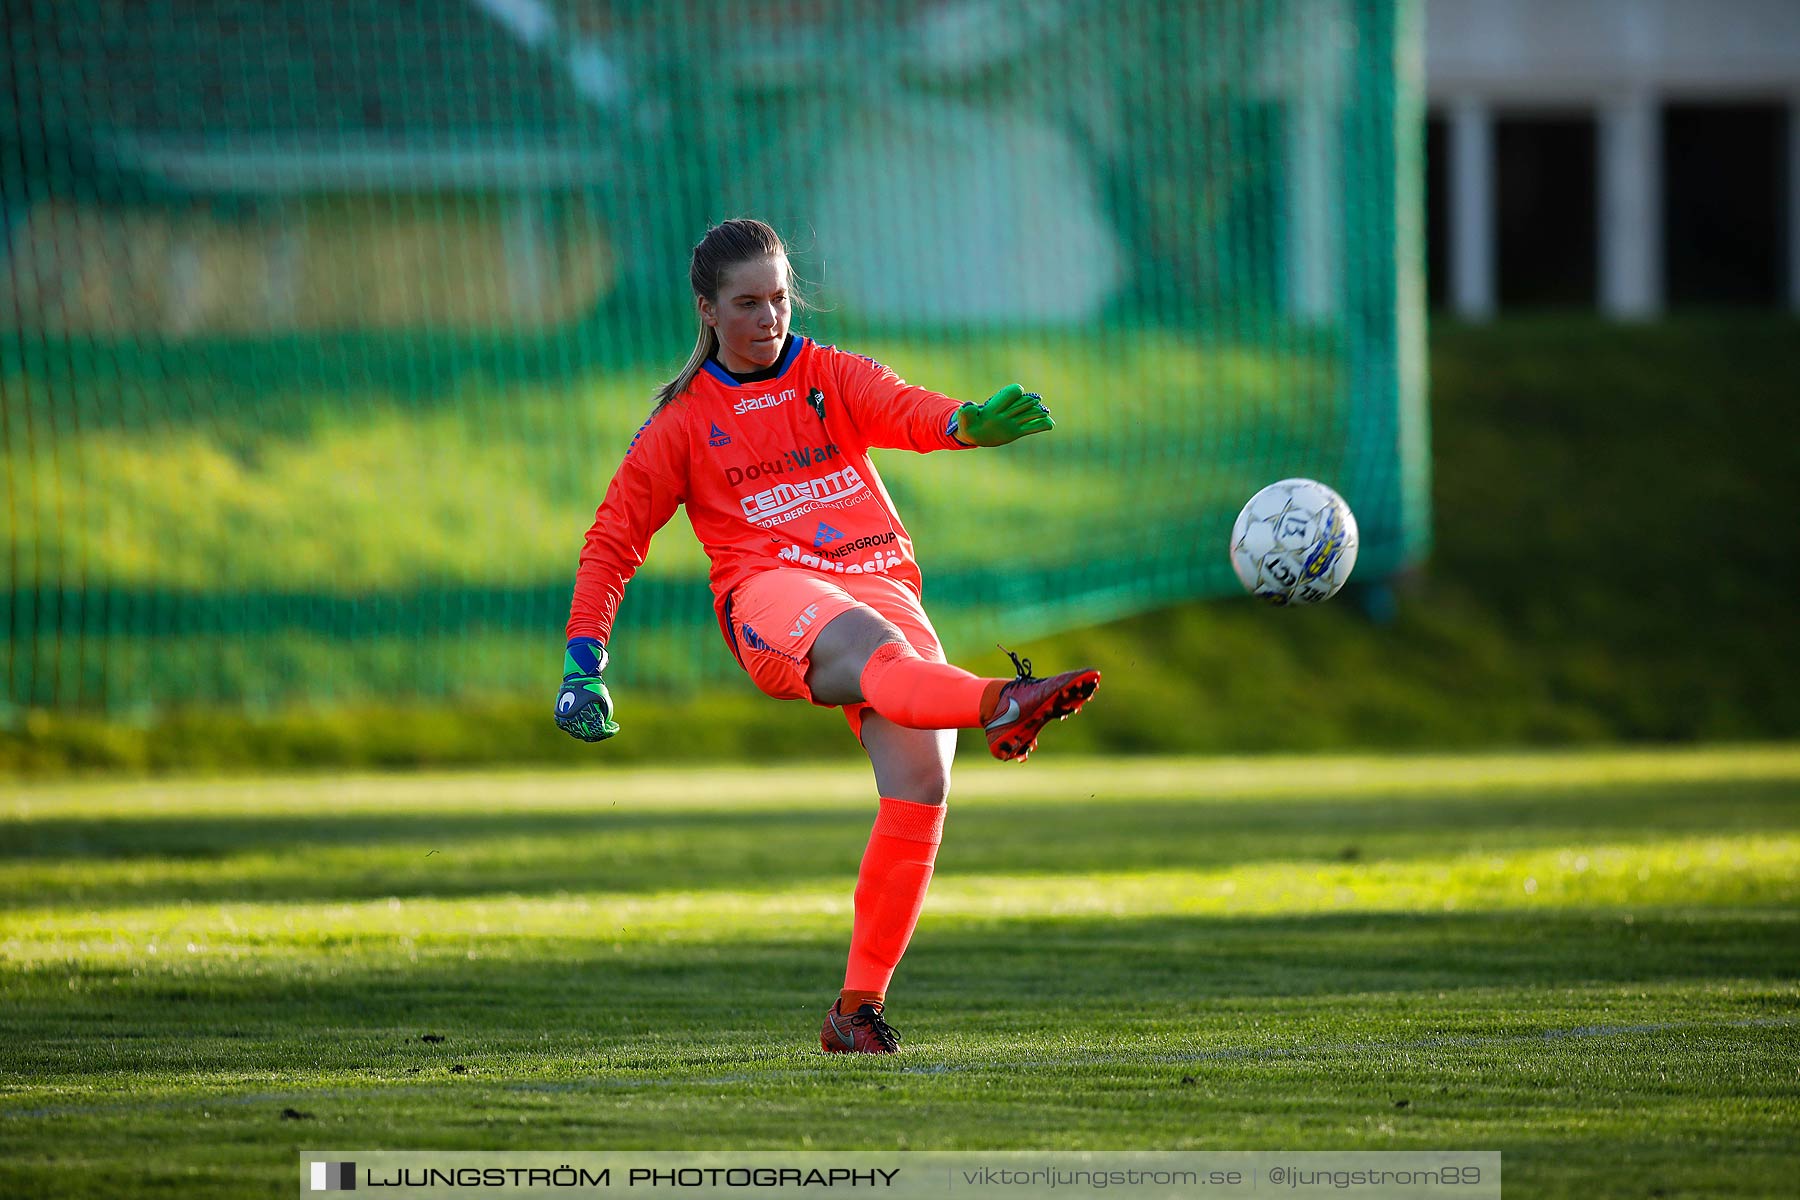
x,y
593,1006
73,864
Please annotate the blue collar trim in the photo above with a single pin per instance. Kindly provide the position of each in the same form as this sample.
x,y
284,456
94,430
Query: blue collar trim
x,y
795,342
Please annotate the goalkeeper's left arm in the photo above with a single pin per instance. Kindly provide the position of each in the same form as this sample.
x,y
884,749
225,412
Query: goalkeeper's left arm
x,y
888,412
1008,415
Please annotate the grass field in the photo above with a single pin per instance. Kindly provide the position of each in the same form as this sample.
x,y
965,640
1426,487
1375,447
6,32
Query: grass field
x,y
1589,962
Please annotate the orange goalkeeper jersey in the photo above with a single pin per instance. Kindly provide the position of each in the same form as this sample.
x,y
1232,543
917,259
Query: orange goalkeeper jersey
x,y
774,470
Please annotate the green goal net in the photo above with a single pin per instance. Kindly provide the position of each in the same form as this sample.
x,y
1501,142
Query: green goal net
x,y
323,323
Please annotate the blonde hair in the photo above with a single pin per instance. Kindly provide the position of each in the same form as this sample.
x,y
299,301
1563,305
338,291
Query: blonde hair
x,y
740,240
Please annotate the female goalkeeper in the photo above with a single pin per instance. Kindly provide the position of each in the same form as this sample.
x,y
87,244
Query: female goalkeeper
x,y
765,437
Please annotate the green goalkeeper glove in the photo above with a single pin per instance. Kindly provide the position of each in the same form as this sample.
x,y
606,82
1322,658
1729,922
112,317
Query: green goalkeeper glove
x,y
584,707
1009,414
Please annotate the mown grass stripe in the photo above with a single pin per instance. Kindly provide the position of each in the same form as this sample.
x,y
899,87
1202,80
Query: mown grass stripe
x,y
824,1064
1188,781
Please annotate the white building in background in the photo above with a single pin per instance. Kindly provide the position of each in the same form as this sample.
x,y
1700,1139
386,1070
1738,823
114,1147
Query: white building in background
x,y
1673,96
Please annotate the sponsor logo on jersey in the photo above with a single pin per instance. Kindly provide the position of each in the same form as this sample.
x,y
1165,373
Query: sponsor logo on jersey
x,y
812,456
750,404
718,437
851,547
875,564
825,535
785,501
798,458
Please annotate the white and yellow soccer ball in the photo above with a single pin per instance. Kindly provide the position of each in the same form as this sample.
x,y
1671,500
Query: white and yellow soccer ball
x,y
1294,543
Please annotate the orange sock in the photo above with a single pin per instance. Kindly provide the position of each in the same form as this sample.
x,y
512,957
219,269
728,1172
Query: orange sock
x,y
890,892
910,691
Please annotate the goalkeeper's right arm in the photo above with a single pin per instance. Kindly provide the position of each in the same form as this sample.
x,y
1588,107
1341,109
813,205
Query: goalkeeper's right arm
x,y
584,707
643,494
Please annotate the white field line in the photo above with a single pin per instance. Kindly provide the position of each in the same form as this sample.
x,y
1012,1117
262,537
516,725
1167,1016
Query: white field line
x,y
634,1081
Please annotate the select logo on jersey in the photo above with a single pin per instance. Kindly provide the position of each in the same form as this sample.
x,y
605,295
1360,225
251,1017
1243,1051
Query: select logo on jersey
x,y
825,535
751,404
718,437
785,501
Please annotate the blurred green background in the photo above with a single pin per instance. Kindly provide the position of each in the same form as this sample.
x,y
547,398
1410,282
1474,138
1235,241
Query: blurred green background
x,y
326,324
1609,566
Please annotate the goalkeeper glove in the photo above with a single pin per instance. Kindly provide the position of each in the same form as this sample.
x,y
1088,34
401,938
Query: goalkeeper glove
x,y
1009,414
584,707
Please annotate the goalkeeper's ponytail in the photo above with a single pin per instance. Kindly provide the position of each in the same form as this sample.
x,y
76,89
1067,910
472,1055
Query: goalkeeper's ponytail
x,y
725,245
704,349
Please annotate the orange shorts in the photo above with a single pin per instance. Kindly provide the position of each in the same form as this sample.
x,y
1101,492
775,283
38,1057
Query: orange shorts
x,y
774,617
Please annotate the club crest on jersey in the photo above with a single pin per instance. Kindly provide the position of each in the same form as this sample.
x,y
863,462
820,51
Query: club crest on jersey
x,y
718,437
816,398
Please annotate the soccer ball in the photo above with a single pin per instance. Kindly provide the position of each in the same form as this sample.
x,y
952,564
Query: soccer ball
x,y
1294,543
